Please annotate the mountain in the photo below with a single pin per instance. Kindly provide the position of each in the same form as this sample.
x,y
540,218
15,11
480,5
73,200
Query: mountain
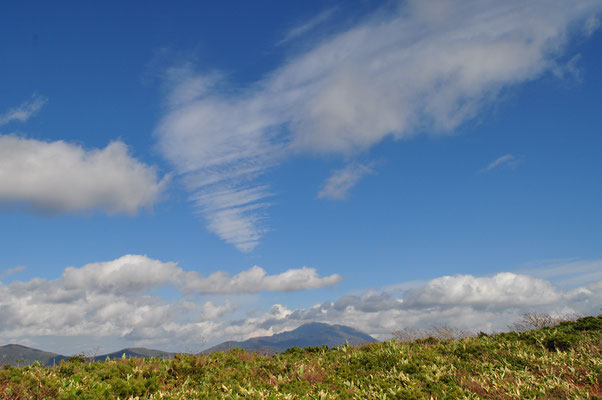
x,y
15,354
132,352
310,334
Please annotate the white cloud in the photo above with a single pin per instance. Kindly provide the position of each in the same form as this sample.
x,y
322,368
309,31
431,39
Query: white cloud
x,y
505,161
138,273
127,274
57,177
118,298
25,111
341,181
500,291
425,67
256,280
213,311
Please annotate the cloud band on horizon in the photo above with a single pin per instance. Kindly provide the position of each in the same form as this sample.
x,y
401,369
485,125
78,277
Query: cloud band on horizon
x,y
118,299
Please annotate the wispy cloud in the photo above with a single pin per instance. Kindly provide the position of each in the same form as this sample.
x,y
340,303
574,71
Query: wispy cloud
x,y
12,271
591,25
341,181
425,67
222,146
25,111
56,177
569,273
308,26
505,161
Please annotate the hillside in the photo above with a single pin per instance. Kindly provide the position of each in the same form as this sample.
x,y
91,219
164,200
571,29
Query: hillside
x,y
15,354
310,334
564,362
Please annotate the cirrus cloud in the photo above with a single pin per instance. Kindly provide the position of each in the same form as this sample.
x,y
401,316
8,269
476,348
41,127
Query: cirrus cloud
x,y
422,67
338,185
26,110
505,161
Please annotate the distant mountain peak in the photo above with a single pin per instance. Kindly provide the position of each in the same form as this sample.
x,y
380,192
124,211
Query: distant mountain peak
x,y
305,335
16,354
14,345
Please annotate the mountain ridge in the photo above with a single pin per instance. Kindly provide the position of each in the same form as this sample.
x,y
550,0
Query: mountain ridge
x,y
306,335
17,354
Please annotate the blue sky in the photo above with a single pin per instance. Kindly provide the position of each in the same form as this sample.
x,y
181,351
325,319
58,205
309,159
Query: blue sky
x,y
175,175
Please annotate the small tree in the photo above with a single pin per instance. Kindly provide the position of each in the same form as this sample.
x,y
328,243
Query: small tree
x,y
534,320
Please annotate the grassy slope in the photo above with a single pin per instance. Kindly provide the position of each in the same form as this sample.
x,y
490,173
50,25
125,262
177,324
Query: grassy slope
x,y
552,363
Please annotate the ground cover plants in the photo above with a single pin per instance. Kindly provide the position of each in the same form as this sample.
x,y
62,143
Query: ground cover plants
x,y
559,362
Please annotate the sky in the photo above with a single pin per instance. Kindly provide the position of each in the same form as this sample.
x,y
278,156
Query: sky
x,y
177,174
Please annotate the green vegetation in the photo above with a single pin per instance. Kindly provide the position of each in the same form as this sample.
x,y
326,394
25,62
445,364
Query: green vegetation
x,y
550,363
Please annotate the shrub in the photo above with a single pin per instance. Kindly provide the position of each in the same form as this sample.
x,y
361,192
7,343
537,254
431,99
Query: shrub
x,y
560,342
